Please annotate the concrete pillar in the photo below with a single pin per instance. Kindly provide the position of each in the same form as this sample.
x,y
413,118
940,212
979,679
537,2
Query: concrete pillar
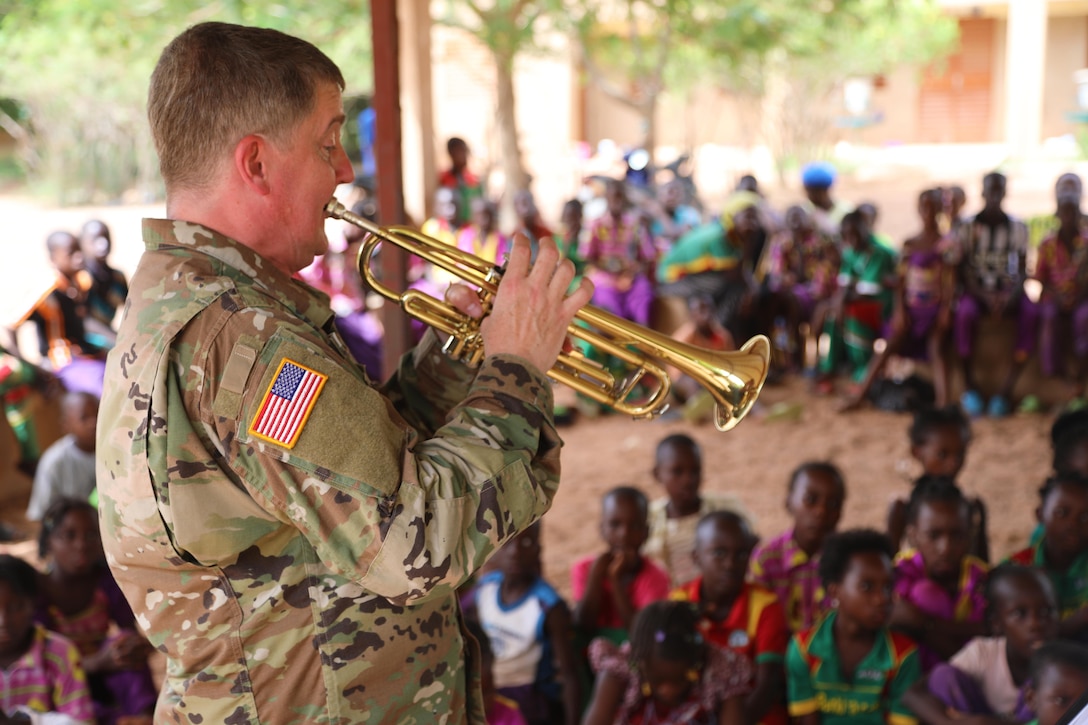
x,y
417,121
1025,67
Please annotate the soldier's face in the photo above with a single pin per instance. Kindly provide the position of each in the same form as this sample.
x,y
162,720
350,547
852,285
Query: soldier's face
x,y
308,167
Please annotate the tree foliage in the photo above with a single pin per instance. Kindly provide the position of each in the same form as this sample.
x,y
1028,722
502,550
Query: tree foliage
x,y
78,70
634,50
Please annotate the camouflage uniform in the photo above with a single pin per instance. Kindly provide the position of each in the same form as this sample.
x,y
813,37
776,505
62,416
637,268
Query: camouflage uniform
x,y
310,581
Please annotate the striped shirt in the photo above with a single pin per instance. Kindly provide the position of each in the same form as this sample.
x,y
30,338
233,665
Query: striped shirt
x,y
47,678
781,566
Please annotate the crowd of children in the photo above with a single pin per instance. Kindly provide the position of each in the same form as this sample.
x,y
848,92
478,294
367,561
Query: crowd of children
x,y
820,280
688,615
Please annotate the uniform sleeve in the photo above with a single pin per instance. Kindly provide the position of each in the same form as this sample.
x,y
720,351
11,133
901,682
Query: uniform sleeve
x,y
772,634
407,516
907,674
427,385
801,695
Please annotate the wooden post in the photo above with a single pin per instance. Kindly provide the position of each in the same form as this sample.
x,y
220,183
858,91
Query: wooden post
x,y
384,29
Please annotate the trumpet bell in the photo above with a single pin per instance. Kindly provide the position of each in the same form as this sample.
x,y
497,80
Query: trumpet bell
x,y
733,379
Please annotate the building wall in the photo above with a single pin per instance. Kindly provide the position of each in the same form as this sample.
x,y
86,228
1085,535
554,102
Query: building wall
x,y
1066,52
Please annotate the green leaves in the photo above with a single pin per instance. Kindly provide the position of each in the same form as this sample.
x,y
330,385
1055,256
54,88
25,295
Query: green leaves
x,y
80,70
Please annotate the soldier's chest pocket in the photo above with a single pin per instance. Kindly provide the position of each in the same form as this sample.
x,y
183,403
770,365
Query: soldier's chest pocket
x,y
315,412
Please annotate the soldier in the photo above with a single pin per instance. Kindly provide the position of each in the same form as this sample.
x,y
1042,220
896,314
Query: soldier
x,y
289,534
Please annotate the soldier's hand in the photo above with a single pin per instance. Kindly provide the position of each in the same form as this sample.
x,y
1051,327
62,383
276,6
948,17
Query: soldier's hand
x,y
532,310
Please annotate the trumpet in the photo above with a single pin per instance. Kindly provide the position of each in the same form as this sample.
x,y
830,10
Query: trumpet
x,y
733,379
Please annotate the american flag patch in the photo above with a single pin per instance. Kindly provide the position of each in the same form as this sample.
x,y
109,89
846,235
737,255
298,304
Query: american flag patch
x,y
287,404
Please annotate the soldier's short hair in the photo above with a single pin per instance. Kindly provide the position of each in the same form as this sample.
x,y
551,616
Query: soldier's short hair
x,y
216,83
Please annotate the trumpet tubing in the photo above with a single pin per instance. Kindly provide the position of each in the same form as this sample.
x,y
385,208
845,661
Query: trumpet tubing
x,y
733,379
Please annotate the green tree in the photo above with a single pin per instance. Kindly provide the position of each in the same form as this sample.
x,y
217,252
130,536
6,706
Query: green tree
x,y
79,69
507,28
635,50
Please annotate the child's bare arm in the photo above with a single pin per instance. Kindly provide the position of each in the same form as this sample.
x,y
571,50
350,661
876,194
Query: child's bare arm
x,y
733,712
605,705
587,608
557,623
625,608
770,684
944,637
932,711
980,538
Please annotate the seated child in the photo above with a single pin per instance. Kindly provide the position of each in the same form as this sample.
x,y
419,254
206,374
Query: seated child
x,y
481,236
67,467
940,598
78,598
498,709
679,469
40,670
666,674
612,587
861,304
702,330
60,315
923,302
1059,676
738,615
619,254
1063,303
989,675
851,668
529,627
1069,441
1062,552
939,438
789,564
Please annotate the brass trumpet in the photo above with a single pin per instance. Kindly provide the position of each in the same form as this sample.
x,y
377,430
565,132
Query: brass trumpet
x,y
734,379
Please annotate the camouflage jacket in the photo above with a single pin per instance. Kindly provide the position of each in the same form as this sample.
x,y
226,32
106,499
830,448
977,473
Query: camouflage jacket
x,y
303,568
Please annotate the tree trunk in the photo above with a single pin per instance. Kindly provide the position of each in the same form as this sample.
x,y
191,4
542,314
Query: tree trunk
x,y
505,112
648,109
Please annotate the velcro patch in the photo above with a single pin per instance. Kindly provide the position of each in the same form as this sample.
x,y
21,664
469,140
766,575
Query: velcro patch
x,y
287,404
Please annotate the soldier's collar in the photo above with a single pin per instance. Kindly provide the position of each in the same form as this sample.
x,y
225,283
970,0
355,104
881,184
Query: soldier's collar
x,y
240,261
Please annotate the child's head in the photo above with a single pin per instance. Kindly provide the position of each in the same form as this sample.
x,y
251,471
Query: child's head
x,y
1069,439
571,218
957,199
930,204
667,650
1059,676
1022,607
939,438
701,310
487,658
723,546
678,466
939,526
993,189
79,414
856,570
1068,212
519,558
624,519
445,204
525,205
855,231
816,495
1069,185
483,213
18,591
797,220
1063,512
869,211
458,151
70,537
615,193
95,240
64,253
